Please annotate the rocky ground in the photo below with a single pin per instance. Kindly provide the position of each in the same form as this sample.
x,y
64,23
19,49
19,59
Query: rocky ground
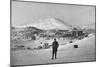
x,y
66,53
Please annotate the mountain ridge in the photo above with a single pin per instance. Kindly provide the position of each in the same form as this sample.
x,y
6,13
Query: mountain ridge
x,y
48,24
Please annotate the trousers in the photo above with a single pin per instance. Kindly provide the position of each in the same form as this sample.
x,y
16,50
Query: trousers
x,y
54,53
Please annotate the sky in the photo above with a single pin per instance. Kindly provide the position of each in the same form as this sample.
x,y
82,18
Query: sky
x,y
24,13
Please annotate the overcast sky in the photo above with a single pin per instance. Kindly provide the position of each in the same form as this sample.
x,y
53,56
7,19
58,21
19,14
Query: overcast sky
x,y
24,13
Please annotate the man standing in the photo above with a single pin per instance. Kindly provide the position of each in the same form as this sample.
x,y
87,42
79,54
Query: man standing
x,y
54,49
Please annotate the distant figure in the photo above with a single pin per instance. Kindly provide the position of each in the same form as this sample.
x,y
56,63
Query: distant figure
x,y
54,49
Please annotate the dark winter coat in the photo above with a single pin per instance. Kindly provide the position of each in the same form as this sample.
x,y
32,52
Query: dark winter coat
x,y
55,45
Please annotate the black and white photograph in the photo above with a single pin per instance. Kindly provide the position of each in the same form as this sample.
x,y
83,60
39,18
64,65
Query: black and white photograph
x,y
52,33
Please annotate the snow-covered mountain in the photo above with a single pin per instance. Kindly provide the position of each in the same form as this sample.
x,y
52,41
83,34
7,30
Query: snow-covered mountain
x,y
51,23
55,24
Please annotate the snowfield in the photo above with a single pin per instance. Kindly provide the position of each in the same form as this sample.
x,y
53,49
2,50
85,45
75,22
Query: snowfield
x,y
66,53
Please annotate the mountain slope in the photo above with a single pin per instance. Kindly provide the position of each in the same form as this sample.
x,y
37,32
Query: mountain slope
x,y
51,23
